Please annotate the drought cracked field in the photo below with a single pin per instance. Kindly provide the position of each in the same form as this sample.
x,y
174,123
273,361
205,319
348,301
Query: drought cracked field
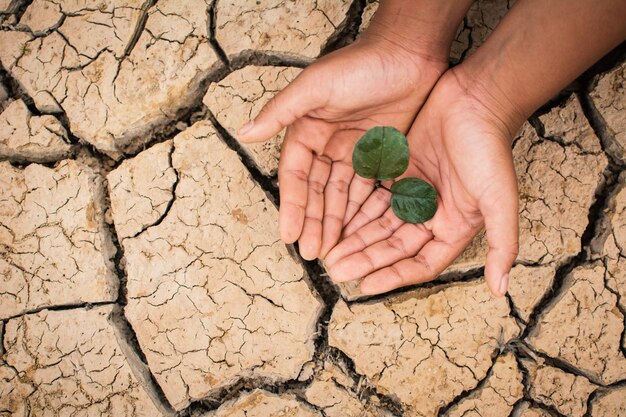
x,y
141,269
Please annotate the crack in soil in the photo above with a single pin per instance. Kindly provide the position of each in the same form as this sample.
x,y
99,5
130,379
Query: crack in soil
x,y
127,332
222,395
123,325
607,140
64,307
21,9
526,382
16,91
2,325
348,30
170,203
389,403
211,31
188,115
266,183
437,284
330,295
596,210
139,27
599,393
481,384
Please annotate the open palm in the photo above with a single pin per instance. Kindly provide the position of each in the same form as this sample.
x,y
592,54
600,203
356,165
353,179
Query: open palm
x,y
327,108
458,146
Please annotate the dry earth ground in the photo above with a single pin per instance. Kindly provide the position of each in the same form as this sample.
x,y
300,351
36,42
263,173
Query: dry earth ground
x,y
141,269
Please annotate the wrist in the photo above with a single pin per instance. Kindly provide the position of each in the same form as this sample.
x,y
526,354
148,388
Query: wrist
x,y
424,28
496,100
531,56
488,99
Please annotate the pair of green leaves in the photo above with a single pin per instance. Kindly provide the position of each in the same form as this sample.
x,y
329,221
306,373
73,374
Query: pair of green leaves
x,y
383,154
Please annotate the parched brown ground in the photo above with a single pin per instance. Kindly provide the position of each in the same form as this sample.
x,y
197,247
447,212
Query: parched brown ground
x,y
141,271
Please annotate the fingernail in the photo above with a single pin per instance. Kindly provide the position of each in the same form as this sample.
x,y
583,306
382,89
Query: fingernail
x,y
504,284
328,260
364,288
246,128
336,274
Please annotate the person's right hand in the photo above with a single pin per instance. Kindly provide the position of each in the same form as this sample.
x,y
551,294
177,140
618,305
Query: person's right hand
x,y
328,107
461,144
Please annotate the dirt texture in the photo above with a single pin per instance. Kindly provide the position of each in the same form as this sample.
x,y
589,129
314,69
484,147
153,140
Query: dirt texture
x,y
610,403
142,189
481,20
424,348
55,249
502,389
213,293
608,99
610,244
4,96
117,70
24,137
264,404
236,99
67,363
141,270
583,326
566,392
9,6
368,13
337,395
528,286
283,27
527,410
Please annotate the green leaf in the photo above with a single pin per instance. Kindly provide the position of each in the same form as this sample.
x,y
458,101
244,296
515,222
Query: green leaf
x,y
413,200
381,153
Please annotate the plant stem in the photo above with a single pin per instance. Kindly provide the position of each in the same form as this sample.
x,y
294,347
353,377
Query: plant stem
x,y
379,185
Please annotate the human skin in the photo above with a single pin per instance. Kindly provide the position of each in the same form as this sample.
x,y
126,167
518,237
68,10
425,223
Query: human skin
x,y
461,143
381,79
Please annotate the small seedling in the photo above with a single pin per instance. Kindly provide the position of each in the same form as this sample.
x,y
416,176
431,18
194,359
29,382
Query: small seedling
x,y
382,153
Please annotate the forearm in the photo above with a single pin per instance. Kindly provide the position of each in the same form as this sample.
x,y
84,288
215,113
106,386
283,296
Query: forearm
x,y
538,49
424,27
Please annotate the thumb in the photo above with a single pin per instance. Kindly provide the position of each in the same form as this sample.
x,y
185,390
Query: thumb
x,y
297,99
501,222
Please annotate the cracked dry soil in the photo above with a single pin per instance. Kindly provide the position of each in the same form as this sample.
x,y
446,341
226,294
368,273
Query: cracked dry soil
x,y
141,272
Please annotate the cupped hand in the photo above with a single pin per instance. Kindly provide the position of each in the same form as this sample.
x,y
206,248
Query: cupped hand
x,y
463,148
327,108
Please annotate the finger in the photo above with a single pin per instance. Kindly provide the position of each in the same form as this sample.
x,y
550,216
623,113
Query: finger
x,y
360,189
430,261
335,200
501,223
310,240
403,244
294,101
375,231
376,204
293,176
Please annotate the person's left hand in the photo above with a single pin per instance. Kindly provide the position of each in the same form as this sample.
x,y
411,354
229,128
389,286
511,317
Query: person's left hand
x,y
327,108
